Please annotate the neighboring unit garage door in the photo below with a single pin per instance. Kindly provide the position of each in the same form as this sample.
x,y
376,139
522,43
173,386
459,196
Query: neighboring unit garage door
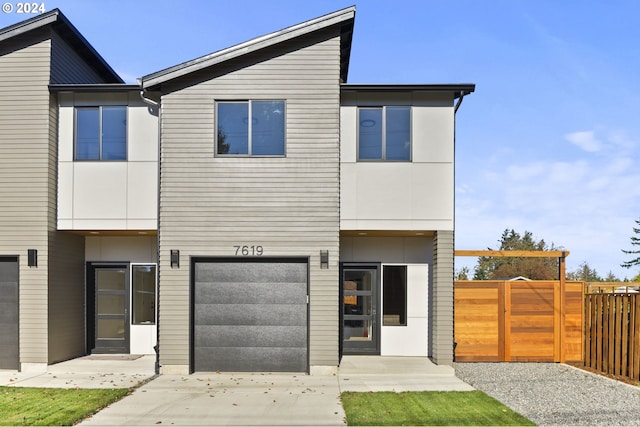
x,y
250,315
9,356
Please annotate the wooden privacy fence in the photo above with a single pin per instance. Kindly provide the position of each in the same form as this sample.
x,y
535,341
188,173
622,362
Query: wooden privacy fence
x,y
518,321
612,334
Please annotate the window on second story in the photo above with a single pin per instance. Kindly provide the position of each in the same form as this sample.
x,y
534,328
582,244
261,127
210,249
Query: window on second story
x,y
384,134
101,133
250,128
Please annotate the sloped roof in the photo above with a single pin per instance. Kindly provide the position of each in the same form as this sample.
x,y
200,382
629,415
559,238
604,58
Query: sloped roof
x,y
344,18
63,27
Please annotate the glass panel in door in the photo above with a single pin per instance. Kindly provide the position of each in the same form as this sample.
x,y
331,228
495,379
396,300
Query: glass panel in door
x,y
112,302
360,329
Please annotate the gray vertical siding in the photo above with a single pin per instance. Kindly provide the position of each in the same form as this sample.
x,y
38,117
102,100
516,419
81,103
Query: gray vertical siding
x,y
25,180
441,331
66,65
289,205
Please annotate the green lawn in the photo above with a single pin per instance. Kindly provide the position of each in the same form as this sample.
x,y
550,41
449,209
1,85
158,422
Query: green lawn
x,y
52,406
428,408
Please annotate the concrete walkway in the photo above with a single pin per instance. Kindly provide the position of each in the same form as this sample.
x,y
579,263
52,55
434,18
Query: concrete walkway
x,y
98,371
376,373
236,398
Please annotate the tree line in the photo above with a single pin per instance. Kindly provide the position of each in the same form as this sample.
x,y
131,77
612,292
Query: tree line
x,y
502,268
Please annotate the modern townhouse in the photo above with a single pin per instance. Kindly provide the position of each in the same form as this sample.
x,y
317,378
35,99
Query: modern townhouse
x,y
248,210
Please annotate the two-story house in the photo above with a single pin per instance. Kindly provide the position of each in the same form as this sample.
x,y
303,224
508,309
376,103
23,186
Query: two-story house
x,y
244,211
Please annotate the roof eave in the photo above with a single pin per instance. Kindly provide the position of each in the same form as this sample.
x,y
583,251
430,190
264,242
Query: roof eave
x,y
342,16
85,88
29,24
458,89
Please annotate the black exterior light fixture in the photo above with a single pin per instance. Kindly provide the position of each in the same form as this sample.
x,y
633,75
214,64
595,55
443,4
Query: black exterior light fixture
x,y
175,258
324,259
32,257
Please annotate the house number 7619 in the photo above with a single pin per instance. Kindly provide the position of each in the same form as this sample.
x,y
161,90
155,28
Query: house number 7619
x,y
249,250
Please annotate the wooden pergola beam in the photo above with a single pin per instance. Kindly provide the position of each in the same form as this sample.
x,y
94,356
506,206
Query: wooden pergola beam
x,y
518,254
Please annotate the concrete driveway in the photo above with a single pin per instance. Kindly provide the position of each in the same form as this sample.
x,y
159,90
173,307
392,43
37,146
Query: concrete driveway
x,y
225,399
271,399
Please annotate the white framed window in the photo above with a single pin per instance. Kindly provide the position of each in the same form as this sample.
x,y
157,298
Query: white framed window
x,y
101,133
250,128
384,133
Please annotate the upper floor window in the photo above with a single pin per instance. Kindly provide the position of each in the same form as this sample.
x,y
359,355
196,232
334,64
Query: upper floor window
x,y
384,133
250,128
101,133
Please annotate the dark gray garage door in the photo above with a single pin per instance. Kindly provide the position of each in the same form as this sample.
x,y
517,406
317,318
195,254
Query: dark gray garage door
x,y
9,358
250,316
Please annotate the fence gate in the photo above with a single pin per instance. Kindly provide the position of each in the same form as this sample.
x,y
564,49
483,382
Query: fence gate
x,y
518,321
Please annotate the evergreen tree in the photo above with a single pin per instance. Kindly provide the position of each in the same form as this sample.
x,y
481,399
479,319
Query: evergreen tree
x,y
585,273
635,241
462,274
489,268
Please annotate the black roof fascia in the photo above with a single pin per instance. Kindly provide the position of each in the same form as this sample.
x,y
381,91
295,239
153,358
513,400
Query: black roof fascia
x,y
461,89
346,40
106,87
65,29
156,79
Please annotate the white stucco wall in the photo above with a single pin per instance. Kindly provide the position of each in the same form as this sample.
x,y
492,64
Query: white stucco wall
x,y
412,338
416,195
109,195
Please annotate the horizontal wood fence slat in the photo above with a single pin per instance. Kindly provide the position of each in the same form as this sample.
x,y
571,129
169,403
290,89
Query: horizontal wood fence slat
x,y
612,334
518,321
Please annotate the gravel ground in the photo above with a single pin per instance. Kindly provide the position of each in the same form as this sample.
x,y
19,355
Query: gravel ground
x,y
556,394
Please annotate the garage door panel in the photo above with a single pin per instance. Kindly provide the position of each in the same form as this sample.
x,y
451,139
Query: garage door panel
x,y
250,314
250,293
9,292
248,359
8,313
235,272
251,336
9,331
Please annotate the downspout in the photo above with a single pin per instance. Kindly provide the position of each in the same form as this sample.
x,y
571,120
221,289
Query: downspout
x,y
156,348
455,110
148,101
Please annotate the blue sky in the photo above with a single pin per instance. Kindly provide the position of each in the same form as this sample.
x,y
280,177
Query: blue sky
x,y
549,142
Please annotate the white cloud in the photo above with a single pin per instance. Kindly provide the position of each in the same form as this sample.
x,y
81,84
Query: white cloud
x,y
587,205
586,140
